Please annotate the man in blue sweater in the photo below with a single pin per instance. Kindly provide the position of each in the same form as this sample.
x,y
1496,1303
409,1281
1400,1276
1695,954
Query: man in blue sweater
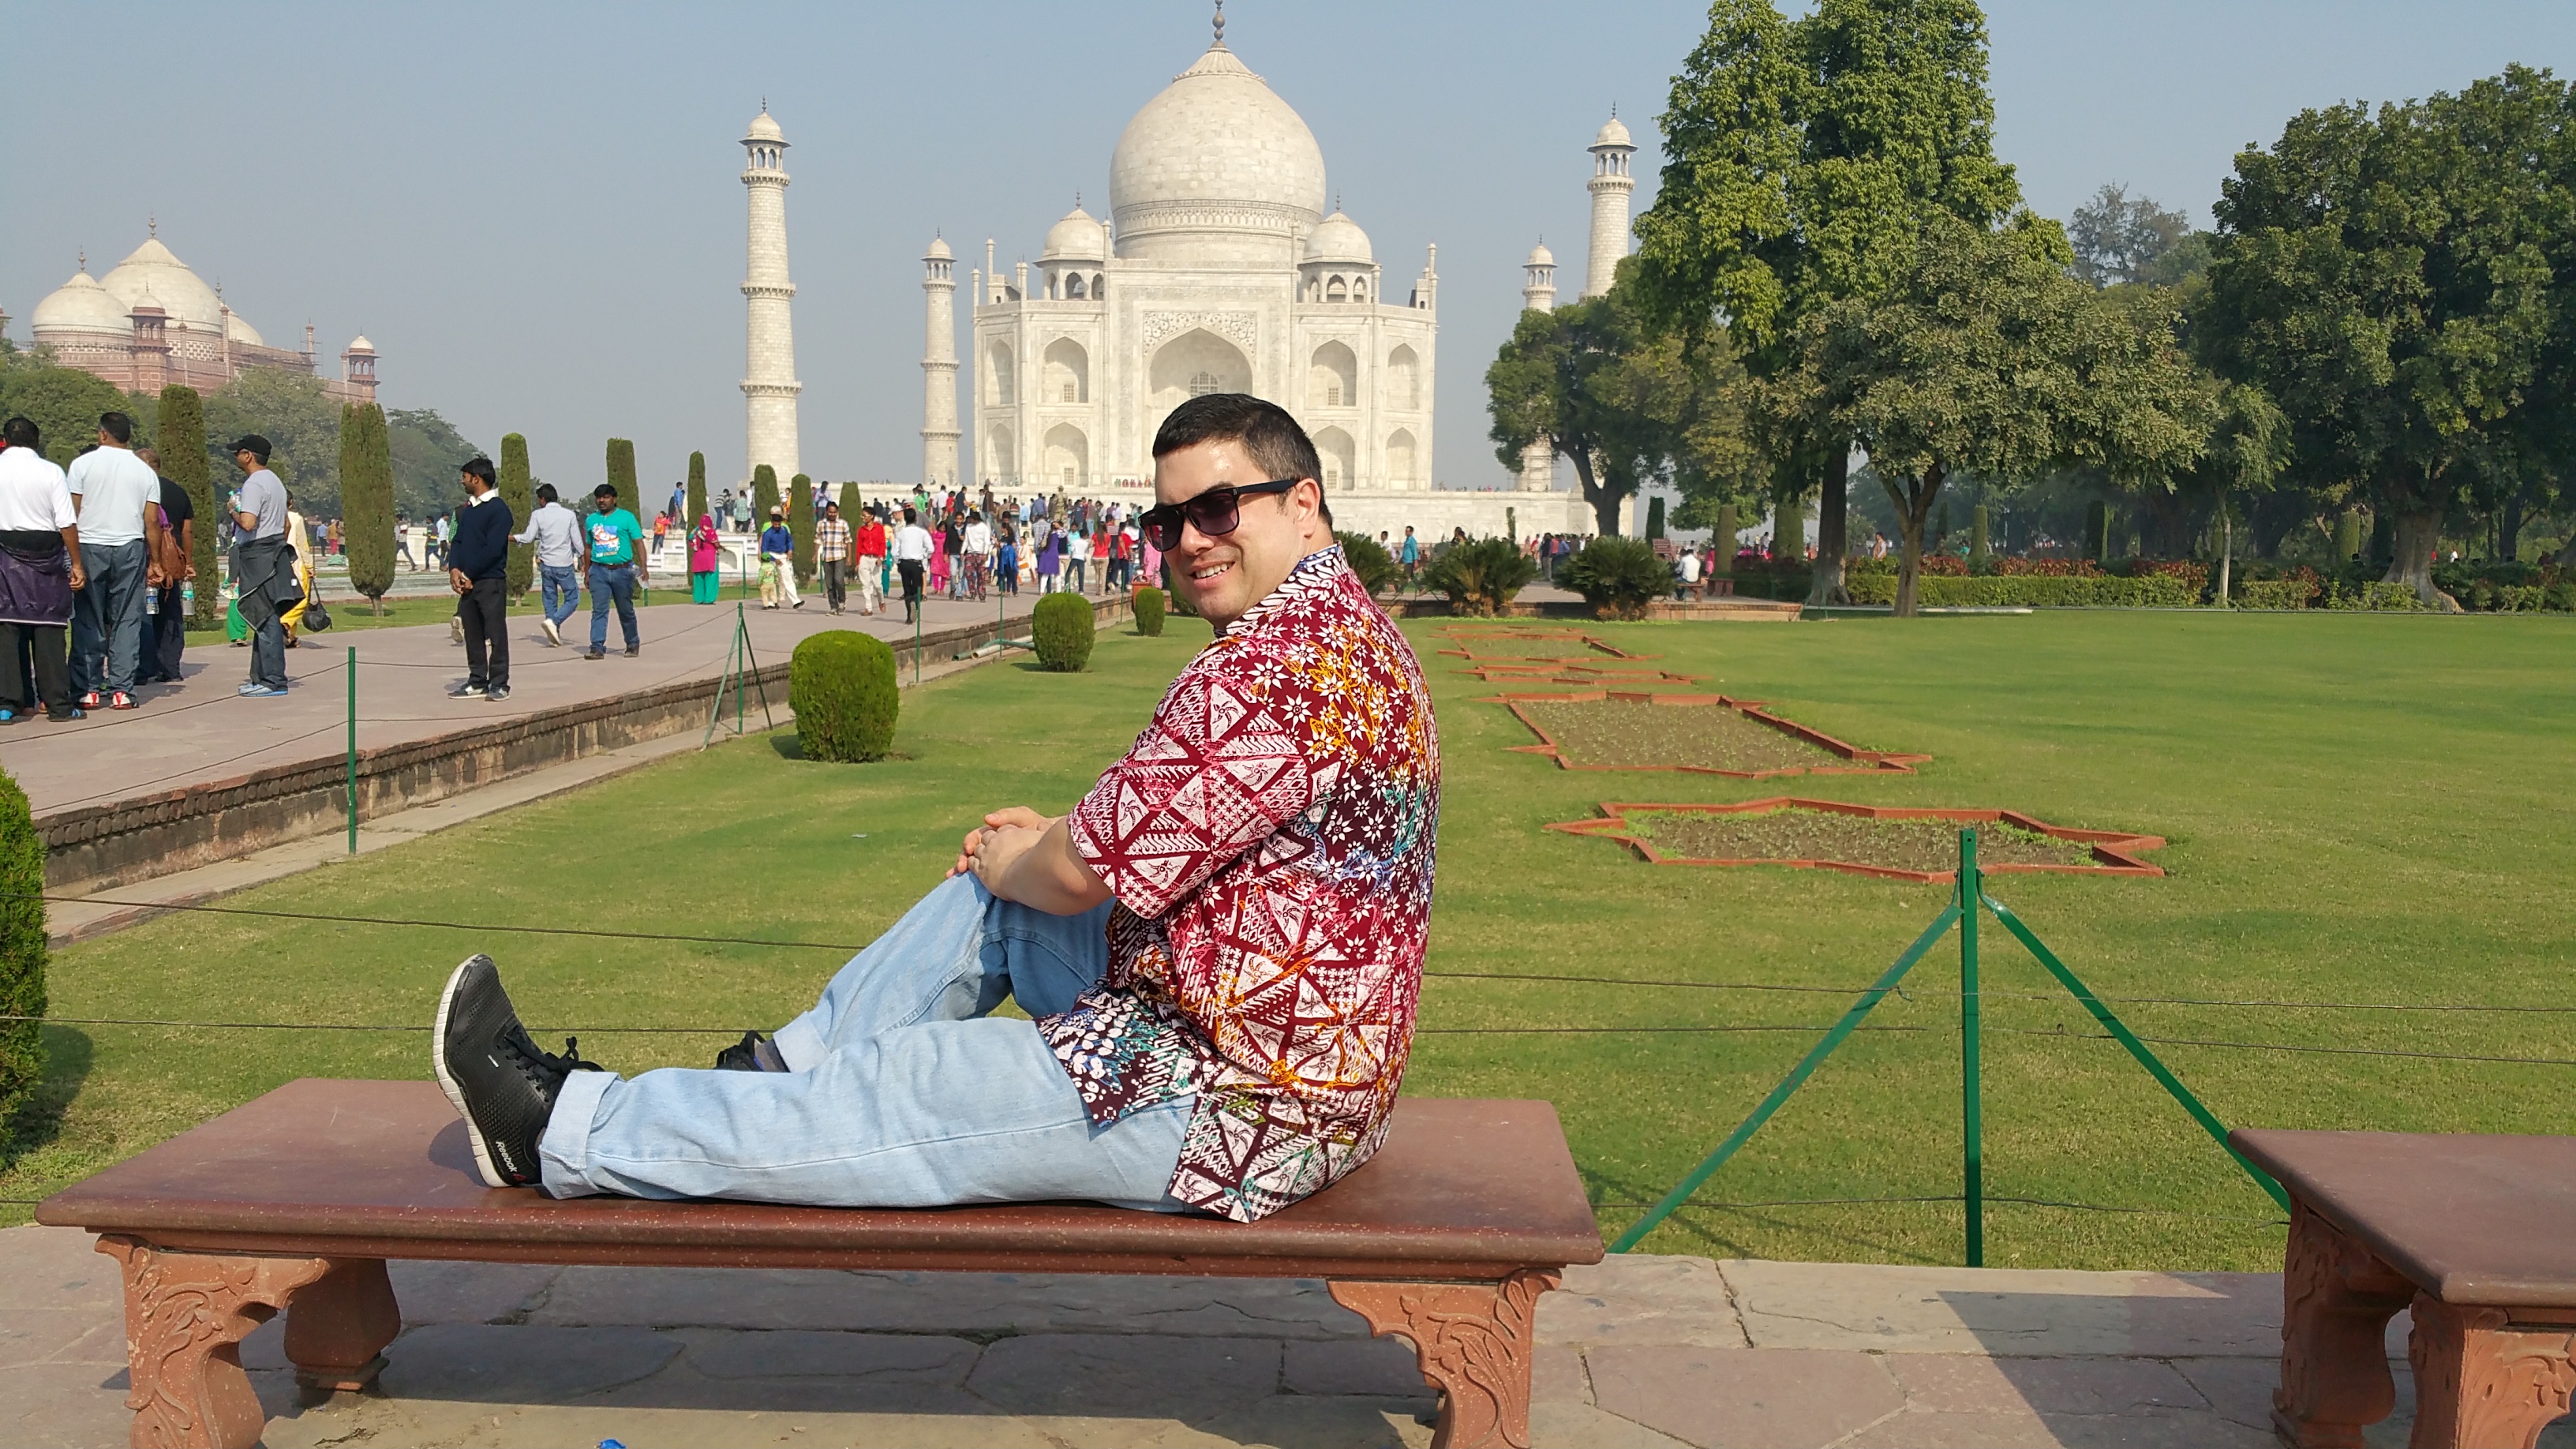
x,y
478,566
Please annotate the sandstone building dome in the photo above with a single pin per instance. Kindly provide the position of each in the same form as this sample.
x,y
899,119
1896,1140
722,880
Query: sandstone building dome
x,y
80,305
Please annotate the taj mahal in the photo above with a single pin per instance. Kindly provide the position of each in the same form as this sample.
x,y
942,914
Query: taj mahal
x,y
1224,265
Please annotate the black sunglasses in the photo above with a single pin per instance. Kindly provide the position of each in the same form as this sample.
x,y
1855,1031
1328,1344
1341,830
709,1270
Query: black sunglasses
x,y
1213,513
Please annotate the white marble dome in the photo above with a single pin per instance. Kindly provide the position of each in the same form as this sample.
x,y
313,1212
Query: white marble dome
x,y
178,291
1337,238
1213,163
1077,238
80,304
763,128
1613,134
1540,256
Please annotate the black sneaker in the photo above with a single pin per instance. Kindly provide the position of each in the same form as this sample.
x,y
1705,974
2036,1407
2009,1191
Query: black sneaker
x,y
754,1053
468,690
633,649
495,1077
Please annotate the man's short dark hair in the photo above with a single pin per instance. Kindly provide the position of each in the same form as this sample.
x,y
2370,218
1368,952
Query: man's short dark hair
x,y
604,490
117,426
546,493
1279,447
908,515
21,432
480,467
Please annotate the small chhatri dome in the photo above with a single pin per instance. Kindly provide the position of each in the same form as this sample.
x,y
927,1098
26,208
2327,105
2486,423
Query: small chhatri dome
x,y
241,331
1540,256
82,304
763,128
939,251
362,344
1337,238
1613,134
1077,238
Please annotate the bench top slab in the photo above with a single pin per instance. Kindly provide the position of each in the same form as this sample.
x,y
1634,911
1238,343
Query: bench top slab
x,y
2468,1218
1463,1188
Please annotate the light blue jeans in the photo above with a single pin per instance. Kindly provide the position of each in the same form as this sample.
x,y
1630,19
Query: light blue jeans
x,y
562,590
902,1091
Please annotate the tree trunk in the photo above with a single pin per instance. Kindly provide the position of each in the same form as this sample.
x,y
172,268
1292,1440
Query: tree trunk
x,y
379,601
1913,508
1833,527
2226,552
1604,496
2418,535
2509,530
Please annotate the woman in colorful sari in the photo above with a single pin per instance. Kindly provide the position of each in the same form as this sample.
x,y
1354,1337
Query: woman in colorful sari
x,y
703,580
940,558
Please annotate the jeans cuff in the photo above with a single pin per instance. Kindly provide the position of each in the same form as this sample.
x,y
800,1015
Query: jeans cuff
x,y
563,1151
800,1045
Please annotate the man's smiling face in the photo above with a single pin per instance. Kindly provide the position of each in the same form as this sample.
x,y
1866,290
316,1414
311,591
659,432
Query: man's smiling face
x,y
1225,575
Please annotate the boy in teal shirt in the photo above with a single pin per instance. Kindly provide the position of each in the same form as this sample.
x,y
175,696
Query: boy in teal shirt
x,y
617,569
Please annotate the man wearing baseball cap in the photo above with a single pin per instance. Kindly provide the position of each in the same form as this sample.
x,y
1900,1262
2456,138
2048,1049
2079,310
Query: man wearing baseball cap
x,y
268,583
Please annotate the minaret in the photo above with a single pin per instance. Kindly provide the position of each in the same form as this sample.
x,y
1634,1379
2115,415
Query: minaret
x,y
1610,187
939,369
769,387
1538,294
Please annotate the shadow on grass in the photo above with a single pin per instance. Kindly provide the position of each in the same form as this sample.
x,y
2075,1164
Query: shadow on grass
x,y
39,1119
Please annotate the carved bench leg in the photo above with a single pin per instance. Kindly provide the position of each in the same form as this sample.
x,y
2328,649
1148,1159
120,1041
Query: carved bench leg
x,y
185,1317
2481,1380
2337,1300
339,1324
1474,1342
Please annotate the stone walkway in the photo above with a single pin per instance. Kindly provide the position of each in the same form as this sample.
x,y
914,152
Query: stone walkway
x,y
1641,1351
198,731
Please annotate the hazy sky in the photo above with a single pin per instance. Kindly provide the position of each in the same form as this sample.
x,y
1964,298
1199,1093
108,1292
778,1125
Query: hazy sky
x,y
534,211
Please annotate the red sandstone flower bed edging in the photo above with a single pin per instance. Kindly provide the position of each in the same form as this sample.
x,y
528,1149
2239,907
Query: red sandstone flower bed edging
x,y
1554,671
2115,852
1862,761
1580,645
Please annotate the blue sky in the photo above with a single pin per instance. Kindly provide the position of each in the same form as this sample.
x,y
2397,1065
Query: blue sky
x,y
534,211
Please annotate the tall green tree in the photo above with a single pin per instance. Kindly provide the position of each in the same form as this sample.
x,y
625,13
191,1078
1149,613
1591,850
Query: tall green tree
x,y
184,461
2387,279
800,525
519,495
621,472
764,495
22,948
1802,158
697,490
2124,240
427,452
1982,356
63,402
302,424
367,500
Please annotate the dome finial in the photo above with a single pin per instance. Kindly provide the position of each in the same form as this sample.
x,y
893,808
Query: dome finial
x,y
84,259
1220,26
152,223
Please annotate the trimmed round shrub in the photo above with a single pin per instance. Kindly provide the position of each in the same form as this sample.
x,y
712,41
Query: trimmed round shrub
x,y
22,950
1480,576
841,684
1149,612
1061,628
1617,576
1369,559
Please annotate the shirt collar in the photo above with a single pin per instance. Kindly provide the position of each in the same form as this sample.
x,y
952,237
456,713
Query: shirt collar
x,y
1312,569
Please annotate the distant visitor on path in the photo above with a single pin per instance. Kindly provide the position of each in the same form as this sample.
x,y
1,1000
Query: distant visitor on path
x,y
557,535
1220,946
261,568
115,491
40,570
778,564
832,551
704,582
617,570
478,568
913,551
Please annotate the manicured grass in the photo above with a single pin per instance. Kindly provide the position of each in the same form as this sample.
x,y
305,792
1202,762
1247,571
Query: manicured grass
x,y
2361,809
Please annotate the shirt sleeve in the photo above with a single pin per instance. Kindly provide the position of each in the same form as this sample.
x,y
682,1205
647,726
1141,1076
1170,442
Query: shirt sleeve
x,y
1218,772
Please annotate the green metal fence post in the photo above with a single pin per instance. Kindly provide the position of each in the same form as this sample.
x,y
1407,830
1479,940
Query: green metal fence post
x,y
741,637
1798,1074
353,749
1972,1127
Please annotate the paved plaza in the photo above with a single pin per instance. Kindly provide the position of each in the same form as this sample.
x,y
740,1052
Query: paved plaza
x,y
1640,1351
199,731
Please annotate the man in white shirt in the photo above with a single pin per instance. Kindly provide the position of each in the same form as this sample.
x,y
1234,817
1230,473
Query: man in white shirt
x,y
978,549
1689,572
911,558
114,489
268,584
1077,551
557,534
40,569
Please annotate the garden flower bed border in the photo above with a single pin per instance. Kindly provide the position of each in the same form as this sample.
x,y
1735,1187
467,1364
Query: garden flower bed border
x,y
1571,671
1585,645
2115,852
1864,762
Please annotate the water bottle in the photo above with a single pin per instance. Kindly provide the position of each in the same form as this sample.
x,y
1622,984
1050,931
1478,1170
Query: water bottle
x,y
151,600
188,597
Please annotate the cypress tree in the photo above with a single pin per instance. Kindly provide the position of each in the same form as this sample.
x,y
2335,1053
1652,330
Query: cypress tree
x,y
1655,517
2347,536
800,526
518,494
1725,540
621,471
367,500
1980,550
183,458
22,947
764,495
2097,531
697,490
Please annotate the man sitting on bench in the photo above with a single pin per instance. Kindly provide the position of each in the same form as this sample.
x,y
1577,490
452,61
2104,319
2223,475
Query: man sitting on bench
x,y
1221,945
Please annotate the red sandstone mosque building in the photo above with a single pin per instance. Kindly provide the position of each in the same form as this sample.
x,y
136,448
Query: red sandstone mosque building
x,y
152,322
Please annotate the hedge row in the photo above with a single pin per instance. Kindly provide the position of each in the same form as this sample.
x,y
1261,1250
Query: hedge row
x,y
2022,591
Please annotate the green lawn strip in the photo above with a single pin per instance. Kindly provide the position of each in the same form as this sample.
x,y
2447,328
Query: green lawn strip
x,y
348,615
2360,809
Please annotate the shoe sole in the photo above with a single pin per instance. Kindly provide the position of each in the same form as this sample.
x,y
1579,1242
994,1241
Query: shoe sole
x,y
455,1098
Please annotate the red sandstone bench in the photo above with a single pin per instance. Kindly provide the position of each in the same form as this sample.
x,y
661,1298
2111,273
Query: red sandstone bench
x,y
295,1201
2475,1234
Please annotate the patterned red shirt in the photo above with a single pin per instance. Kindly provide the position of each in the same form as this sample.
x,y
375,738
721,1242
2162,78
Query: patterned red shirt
x,y
1269,839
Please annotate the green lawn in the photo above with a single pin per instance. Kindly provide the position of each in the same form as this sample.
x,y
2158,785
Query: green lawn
x,y
2361,809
